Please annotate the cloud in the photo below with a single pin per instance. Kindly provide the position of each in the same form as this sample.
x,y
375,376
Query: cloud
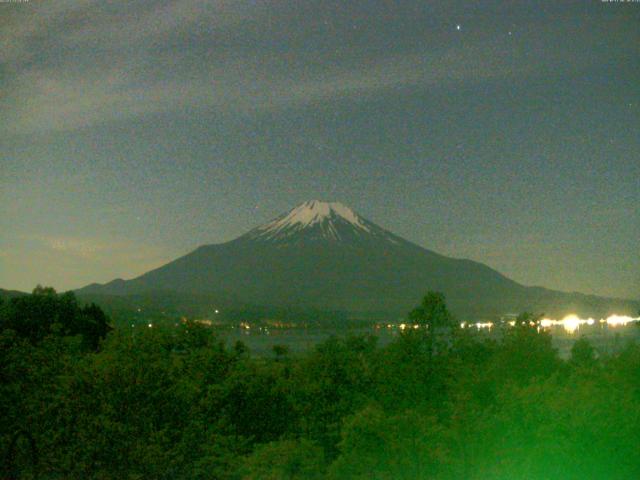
x,y
128,28
139,59
71,262
93,248
60,101
76,25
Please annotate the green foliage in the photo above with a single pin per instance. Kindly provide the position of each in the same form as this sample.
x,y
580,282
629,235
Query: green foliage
x,y
409,444
331,383
177,403
432,312
524,355
285,460
583,355
45,312
280,351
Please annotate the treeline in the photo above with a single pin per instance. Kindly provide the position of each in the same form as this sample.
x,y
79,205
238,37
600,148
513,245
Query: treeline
x,y
165,307
78,401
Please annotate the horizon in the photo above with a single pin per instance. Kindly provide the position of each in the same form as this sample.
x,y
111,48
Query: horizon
x,y
276,217
315,204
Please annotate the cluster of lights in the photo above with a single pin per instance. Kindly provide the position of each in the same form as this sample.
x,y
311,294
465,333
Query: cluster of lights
x,y
403,326
615,320
570,323
478,325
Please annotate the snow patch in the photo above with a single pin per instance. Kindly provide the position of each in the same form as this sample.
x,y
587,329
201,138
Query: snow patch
x,y
311,213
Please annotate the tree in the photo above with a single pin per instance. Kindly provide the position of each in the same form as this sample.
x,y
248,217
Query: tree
x,y
432,312
583,354
93,325
524,355
280,351
432,315
46,312
254,401
286,460
240,348
407,445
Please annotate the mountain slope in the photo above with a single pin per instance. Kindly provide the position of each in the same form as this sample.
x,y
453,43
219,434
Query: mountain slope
x,y
8,294
325,256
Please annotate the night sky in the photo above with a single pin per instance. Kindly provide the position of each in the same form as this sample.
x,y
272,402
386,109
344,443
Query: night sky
x,y
504,132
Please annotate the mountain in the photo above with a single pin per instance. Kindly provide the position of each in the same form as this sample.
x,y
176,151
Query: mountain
x,y
8,294
324,256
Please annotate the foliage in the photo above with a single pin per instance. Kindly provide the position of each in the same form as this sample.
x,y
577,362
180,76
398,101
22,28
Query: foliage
x,y
284,460
432,312
405,445
45,312
177,403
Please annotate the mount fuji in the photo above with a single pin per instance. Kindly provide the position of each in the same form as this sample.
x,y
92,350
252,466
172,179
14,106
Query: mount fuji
x,y
326,257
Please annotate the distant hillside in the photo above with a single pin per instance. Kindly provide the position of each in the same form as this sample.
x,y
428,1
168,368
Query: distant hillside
x,y
5,294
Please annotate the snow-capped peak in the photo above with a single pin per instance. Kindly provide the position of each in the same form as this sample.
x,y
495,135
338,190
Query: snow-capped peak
x,y
315,211
311,213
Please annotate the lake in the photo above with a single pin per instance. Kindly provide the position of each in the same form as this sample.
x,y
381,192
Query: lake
x,y
606,339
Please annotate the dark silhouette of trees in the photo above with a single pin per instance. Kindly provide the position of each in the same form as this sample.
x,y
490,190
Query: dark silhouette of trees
x,y
583,355
177,402
280,351
285,460
10,468
45,312
432,312
434,319
527,319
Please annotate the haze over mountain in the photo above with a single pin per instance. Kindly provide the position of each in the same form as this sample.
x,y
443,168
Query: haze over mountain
x,y
324,256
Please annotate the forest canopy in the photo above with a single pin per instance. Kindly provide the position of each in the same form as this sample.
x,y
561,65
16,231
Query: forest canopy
x,y
81,401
